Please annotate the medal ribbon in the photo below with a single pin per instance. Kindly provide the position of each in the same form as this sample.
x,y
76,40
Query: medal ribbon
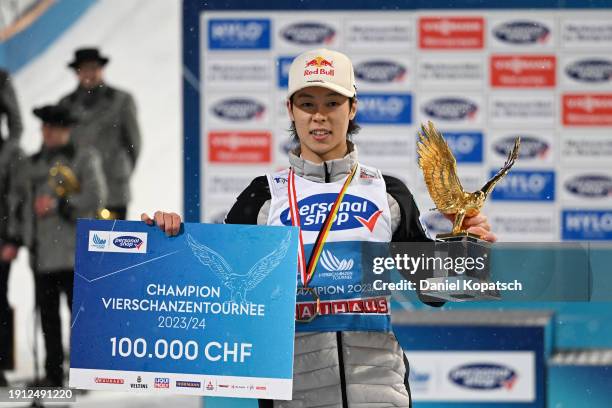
x,y
307,270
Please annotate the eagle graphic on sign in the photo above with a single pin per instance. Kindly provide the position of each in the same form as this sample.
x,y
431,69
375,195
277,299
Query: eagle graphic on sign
x,y
238,284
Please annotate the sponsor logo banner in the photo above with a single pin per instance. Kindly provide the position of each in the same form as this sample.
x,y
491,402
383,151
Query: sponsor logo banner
x,y
283,64
586,149
537,148
386,147
310,34
525,185
468,376
380,34
106,380
161,382
586,224
523,224
118,241
380,73
585,33
466,146
377,305
353,212
523,71
188,384
385,109
587,71
234,73
239,34
450,71
237,110
451,32
226,185
587,109
521,32
586,186
532,109
454,110
239,147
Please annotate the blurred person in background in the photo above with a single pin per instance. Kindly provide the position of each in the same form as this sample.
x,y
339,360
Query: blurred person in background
x,y
60,183
107,121
10,159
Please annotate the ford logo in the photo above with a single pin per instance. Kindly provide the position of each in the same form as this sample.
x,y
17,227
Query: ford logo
x,y
521,32
592,186
238,109
450,109
483,376
531,147
380,71
591,70
308,33
127,242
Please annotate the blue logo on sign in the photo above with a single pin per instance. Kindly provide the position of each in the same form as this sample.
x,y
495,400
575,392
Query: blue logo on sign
x,y
283,64
127,242
380,72
531,147
523,185
247,34
387,109
454,109
308,33
483,376
590,70
239,109
466,146
98,241
354,212
590,186
521,32
586,224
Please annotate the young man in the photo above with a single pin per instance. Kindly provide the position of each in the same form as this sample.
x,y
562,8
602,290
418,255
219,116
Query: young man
x,y
107,121
58,184
341,359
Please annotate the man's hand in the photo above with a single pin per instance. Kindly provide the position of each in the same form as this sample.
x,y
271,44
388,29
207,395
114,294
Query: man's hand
x,y
478,224
8,252
44,204
168,222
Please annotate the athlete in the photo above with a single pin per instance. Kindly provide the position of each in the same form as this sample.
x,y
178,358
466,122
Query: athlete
x,y
345,352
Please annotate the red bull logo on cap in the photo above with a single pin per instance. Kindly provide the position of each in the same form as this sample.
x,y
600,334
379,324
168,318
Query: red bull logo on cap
x,y
319,66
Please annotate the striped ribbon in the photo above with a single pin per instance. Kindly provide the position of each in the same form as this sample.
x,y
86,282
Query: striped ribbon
x,y
307,270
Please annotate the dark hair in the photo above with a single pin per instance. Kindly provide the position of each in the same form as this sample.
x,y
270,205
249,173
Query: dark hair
x,y
353,127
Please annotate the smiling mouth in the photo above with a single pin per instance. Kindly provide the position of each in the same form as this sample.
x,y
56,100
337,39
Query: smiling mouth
x,y
320,134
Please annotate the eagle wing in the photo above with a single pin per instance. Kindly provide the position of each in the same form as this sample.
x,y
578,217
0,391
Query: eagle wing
x,y
512,156
212,259
439,169
265,265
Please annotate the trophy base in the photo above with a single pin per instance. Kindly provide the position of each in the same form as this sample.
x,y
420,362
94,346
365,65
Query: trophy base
x,y
457,237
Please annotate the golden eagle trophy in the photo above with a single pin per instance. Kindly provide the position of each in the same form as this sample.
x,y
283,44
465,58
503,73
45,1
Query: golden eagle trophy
x,y
440,171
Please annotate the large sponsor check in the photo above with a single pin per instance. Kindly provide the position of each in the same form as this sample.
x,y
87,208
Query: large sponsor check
x,y
208,312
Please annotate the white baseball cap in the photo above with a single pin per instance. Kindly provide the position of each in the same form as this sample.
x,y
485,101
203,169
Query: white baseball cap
x,y
324,68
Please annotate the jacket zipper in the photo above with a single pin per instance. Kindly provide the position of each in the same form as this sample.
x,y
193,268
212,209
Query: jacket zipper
x,y
341,364
326,172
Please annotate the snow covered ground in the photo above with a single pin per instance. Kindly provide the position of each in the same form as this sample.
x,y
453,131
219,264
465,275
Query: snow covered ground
x,y
142,38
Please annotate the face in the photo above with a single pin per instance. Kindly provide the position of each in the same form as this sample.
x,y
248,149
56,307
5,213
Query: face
x,y
321,118
55,136
90,74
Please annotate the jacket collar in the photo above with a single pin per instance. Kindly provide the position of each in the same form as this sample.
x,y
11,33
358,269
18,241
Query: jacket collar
x,y
331,170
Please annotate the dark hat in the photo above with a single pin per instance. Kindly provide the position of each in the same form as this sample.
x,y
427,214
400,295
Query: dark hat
x,y
87,54
55,115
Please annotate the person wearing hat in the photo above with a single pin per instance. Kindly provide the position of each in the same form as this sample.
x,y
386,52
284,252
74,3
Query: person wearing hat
x,y
11,157
108,122
58,184
342,357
